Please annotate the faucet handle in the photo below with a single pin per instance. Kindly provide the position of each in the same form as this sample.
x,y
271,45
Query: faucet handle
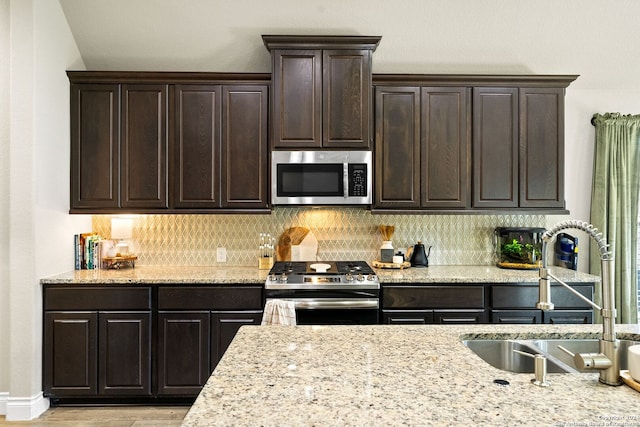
x,y
540,368
589,361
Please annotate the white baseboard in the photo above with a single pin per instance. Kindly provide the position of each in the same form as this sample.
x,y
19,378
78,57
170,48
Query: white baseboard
x,y
4,397
25,408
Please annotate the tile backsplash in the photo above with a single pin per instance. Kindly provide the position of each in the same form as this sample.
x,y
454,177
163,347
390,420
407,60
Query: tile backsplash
x,y
342,233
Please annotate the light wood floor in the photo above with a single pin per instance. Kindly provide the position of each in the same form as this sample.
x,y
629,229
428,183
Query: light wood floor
x,y
111,416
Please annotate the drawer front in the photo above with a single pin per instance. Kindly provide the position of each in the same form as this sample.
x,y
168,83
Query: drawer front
x,y
97,298
433,297
210,298
522,317
407,317
526,296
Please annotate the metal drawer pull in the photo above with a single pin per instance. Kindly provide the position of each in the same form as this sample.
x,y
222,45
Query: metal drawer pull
x,y
333,303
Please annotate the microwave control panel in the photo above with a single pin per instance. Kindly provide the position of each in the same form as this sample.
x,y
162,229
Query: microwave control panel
x,y
357,180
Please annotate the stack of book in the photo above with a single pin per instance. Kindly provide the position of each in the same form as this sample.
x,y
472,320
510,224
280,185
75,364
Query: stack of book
x,y
87,250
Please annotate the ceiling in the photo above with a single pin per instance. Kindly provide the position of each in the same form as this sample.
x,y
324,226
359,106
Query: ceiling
x,y
418,36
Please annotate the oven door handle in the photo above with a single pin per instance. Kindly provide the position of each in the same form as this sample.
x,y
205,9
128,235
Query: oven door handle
x,y
333,303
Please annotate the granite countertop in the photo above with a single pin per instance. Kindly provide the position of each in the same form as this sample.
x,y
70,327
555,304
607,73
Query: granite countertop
x,y
399,375
150,275
252,275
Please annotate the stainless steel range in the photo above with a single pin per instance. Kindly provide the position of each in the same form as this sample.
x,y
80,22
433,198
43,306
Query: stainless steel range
x,y
327,292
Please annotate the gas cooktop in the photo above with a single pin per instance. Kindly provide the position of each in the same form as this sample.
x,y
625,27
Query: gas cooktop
x,y
322,275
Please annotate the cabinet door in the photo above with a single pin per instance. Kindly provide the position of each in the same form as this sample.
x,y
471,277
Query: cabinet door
x,y
95,174
446,142
70,354
124,360
183,352
397,147
245,147
197,136
542,147
495,147
407,317
224,326
297,98
346,98
144,146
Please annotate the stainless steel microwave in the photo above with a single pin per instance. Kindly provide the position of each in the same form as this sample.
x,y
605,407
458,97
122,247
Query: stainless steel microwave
x,y
321,177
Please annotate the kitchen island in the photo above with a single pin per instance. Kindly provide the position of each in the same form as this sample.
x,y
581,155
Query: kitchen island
x,y
399,375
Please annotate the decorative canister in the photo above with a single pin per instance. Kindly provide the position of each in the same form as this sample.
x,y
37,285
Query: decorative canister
x,y
386,251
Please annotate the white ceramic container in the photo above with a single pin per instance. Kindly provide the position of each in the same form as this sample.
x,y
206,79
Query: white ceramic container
x,y
633,355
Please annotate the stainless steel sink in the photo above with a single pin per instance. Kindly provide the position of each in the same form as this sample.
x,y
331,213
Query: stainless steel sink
x,y
550,347
500,354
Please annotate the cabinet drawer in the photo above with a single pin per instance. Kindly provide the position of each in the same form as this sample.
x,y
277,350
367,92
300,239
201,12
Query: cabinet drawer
x,y
563,317
407,317
210,298
459,317
523,317
433,297
97,298
525,296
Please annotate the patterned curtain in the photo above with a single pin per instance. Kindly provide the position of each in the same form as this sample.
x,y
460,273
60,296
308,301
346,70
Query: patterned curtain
x,y
614,204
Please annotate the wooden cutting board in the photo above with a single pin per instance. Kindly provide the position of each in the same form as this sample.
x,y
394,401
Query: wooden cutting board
x,y
628,380
291,236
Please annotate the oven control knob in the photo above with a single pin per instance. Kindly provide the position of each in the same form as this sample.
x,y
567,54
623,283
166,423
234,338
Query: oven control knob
x,y
349,277
371,278
284,278
360,277
273,277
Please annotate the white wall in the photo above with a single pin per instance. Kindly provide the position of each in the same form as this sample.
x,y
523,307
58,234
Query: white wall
x,y
40,230
4,207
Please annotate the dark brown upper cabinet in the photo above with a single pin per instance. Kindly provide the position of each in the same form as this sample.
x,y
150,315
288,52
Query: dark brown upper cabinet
x,y
169,142
495,147
518,147
118,146
221,148
485,143
422,147
397,147
197,143
245,154
95,146
446,142
143,145
321,91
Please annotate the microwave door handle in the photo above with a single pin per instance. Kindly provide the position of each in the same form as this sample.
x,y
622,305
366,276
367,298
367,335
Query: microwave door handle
x,y
345,180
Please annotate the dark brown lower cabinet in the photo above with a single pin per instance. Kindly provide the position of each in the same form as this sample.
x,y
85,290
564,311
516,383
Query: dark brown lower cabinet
x,y
71,354
516,304
139,344
97,354
190,345
224,326
468,303
183,352
124,359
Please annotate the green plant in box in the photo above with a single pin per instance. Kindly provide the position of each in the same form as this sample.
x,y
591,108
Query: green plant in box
x,y
521,251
